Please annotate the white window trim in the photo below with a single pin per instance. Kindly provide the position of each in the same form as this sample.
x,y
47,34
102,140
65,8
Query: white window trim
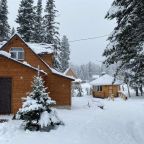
x,y
11,51
98,88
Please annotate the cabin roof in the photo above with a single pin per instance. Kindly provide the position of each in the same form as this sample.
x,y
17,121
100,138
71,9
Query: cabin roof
x,y
95,76
41,48
8,56
44,48
65,72
2,44
38,48
105,80
74,76
59,73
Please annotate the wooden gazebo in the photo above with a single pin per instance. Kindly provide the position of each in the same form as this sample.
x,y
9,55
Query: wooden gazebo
x,y
103,87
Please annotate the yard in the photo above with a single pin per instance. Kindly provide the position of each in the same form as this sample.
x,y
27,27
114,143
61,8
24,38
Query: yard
x,y
120,122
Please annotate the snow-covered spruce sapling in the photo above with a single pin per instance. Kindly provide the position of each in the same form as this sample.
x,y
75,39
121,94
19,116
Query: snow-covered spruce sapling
x,y
36,109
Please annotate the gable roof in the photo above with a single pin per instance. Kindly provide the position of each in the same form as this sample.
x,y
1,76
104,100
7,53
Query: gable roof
x,y
59,73
36,52
2,43
8,56
66,70
38,48
41,48
95,76
105,80
70,70
16,35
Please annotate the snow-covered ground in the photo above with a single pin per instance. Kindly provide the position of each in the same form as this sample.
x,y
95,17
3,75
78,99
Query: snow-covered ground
x,y
121,122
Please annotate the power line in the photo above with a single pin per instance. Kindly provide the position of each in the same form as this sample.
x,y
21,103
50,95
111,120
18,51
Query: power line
x,y
85,39
99,61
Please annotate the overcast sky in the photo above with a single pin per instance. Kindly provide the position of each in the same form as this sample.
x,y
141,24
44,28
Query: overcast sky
x,y
79,19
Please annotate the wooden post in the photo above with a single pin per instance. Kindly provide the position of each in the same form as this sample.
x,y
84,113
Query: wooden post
x,y
128,90
38,71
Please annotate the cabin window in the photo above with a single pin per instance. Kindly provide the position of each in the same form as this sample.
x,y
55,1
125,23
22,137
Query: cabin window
x,y
17,53
97,88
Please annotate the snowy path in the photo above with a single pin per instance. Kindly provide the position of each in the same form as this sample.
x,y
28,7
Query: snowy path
x,y
121,122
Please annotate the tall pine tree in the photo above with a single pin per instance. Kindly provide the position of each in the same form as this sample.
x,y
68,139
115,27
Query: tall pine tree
x,y
65,53
4,26
38,28
126,41
51,35
26,20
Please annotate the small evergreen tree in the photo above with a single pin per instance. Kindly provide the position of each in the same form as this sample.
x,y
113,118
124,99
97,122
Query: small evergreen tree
x,y
36,110
38,28
26,20
65,53
4,26
51,35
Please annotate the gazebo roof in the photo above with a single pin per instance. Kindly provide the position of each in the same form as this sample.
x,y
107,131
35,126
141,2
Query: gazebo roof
x,y
105,80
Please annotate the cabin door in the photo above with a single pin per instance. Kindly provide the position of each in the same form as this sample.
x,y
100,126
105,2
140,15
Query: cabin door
x,y
5,95
110,90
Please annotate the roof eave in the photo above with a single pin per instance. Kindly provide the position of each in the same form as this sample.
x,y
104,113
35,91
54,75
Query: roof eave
x,y
41,71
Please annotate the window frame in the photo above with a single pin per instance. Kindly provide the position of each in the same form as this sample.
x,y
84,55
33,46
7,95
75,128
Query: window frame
x,y
98,88
17,51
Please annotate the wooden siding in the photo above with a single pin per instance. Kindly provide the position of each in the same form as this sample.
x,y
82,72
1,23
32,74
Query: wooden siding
x,y
70,72
105,93
21,80
29,56
48,58
58,86
60,89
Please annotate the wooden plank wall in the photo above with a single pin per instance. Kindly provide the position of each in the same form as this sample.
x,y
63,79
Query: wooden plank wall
x,y
105,91
21,80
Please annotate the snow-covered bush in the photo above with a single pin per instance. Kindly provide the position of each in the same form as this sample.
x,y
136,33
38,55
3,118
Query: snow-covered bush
x,y
86,88
77,92
77,88
36,110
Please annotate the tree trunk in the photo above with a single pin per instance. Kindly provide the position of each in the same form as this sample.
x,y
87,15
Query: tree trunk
x,y
141,90
129,95
137,93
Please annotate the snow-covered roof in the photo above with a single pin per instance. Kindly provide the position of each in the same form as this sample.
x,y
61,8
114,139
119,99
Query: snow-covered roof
x,y
61,74
2,43
56,72
8,55
73,75
78,81
40,48
95,76
67,70
105,80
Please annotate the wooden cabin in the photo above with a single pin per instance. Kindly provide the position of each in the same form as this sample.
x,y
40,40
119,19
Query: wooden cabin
x,y
76,84
70,72
19,63
103,87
